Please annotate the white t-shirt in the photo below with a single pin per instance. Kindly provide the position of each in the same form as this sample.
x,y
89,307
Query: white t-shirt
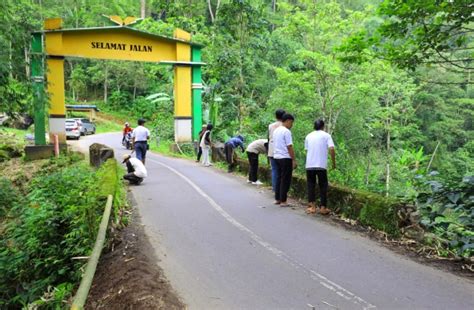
x,y
140,134
202,143
271,129
317,144
257,146
281,140
140,170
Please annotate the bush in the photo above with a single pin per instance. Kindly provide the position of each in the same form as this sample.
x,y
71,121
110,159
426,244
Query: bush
x,y
9,196
447,210
58,220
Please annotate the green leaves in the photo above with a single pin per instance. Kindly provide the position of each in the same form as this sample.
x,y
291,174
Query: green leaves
x,y
56,221
447,209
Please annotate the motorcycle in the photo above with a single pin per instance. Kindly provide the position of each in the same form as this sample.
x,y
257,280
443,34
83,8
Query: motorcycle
x,y
127,141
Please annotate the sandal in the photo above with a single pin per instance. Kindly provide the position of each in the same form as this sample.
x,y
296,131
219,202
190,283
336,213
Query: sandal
x,y
311,209
324,211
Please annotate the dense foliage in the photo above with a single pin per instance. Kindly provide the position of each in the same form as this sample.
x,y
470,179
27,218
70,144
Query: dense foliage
x,y
45,229
338,60
447,208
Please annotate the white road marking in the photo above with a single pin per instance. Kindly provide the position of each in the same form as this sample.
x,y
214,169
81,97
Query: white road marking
x,y
330,285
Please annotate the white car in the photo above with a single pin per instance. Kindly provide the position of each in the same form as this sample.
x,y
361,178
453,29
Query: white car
x,y
73,129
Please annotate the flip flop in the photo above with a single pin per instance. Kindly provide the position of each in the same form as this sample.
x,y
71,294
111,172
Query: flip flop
x,y
326,211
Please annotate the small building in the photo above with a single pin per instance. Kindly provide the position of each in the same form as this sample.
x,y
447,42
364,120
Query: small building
x,y
92,109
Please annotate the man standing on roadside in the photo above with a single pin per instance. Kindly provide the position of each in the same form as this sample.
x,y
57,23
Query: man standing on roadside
x,y
141,135
255,148
317,144
271,128
284,157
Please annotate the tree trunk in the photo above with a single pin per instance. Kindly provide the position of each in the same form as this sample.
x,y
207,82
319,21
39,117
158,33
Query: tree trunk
x,y
387,180
432,157
367,171
143,9
10,59
211,14
273,10
106,79
27,62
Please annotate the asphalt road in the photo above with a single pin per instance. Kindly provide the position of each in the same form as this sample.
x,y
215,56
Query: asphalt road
x,y
223,245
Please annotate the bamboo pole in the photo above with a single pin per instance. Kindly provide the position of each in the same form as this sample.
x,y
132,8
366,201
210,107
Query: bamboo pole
x,y
86,282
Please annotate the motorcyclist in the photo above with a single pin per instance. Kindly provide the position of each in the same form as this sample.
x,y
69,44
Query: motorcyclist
x,y
126,130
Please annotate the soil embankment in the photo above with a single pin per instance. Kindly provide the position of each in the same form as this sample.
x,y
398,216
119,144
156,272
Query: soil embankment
x,y
128,277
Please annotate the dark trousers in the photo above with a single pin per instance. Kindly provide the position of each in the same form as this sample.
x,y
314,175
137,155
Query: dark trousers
x,y
253,166
283,181
199,154
322,176
140,149
229,156
132,178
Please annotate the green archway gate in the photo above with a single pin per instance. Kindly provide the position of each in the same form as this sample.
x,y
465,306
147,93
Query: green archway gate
x,y
51,46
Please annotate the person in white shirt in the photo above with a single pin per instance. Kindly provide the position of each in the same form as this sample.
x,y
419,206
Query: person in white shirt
x,y
255,148
271,128
205,145
285,160
135,168
140,137
317,144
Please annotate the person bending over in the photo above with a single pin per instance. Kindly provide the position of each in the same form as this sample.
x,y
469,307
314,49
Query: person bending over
x,y
255,148
229,148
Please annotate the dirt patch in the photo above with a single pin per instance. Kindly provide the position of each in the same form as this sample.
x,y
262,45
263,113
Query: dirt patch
x,y
129,278
20,172
112,118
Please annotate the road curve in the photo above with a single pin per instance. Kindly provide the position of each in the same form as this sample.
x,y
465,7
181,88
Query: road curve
x,y
223,245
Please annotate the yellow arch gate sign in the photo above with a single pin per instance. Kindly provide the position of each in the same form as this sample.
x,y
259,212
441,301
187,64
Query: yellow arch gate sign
x,y
53,44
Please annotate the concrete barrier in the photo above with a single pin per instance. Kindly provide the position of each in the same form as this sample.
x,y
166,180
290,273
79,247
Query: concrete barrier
x,y
368,208
99,153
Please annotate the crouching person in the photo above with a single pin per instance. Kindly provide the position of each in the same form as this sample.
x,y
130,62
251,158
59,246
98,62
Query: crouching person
x,y
136,171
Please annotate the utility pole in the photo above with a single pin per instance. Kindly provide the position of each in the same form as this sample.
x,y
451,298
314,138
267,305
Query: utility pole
x,y
143,8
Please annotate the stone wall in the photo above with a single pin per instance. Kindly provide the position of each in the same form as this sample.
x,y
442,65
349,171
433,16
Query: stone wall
x,y
368,208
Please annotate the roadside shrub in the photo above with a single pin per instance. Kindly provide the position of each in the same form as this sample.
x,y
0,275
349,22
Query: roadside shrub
x,y
57,221
9,196
447,210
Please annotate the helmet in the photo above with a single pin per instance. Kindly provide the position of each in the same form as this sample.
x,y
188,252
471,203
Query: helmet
x,y
127,124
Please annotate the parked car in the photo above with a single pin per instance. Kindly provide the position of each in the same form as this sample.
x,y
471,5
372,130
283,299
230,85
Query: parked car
x,y
73,129
87,127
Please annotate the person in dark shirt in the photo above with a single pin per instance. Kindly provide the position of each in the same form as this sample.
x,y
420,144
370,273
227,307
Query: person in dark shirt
x,y
229,148
203,130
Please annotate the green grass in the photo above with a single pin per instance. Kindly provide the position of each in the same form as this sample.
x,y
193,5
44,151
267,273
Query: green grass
x,y
104,126
164,147
17,132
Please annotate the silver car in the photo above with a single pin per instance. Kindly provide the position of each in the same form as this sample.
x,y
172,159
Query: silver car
x,y
73,129
87,127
